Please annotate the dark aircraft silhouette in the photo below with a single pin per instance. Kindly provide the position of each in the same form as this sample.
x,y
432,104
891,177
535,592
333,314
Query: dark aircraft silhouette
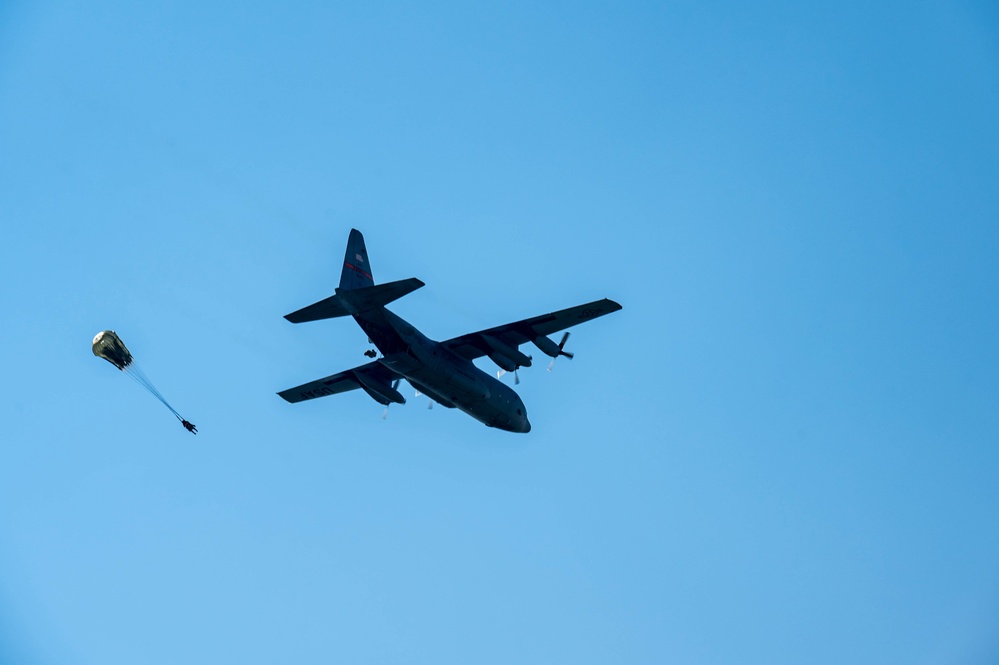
x,y
441,370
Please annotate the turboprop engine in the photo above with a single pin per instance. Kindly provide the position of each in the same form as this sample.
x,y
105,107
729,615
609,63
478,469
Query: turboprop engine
x,y
504,355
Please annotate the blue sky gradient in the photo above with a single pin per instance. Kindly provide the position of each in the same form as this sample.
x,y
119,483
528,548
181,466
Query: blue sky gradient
x,y
782,450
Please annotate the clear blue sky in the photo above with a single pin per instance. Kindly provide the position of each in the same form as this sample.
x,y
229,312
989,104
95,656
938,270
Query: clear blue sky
x,y
783,449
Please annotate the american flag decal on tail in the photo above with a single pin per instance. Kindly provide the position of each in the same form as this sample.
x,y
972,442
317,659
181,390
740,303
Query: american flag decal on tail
x,y
356,273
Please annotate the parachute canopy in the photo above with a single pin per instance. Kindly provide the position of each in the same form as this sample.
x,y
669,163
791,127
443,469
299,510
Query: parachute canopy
x,y
109,346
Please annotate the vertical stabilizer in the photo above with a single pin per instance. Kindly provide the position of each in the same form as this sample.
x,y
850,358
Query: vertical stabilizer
x,y
356,269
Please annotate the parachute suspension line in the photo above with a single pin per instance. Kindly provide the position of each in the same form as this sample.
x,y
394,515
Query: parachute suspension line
x,y
135,373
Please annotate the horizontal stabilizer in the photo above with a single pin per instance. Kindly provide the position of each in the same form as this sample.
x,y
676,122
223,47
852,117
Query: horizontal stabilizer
x,y
370,297
328,308
355,301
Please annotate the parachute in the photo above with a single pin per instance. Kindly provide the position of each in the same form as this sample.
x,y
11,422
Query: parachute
x,y
109,346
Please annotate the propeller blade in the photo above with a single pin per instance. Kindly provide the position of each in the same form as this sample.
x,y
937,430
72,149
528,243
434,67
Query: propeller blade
x,y
561,352
395,386
516,376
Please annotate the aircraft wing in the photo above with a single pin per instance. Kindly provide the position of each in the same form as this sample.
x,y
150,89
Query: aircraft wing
x,y
374,378
481,343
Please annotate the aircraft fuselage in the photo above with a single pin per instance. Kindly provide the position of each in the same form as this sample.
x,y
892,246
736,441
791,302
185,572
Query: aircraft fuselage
x,y
442,375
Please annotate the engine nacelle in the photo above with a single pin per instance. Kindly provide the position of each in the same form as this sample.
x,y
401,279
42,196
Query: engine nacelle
x,y
380,392
546,346
504,355
502,361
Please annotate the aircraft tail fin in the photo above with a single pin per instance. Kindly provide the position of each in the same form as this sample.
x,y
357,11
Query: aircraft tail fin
x,y
356,269
357,292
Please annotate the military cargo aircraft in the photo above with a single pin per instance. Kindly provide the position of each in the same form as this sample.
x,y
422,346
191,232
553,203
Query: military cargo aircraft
x,y
443,371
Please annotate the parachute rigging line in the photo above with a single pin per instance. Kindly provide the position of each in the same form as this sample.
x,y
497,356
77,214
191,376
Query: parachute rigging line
x,y
134,372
